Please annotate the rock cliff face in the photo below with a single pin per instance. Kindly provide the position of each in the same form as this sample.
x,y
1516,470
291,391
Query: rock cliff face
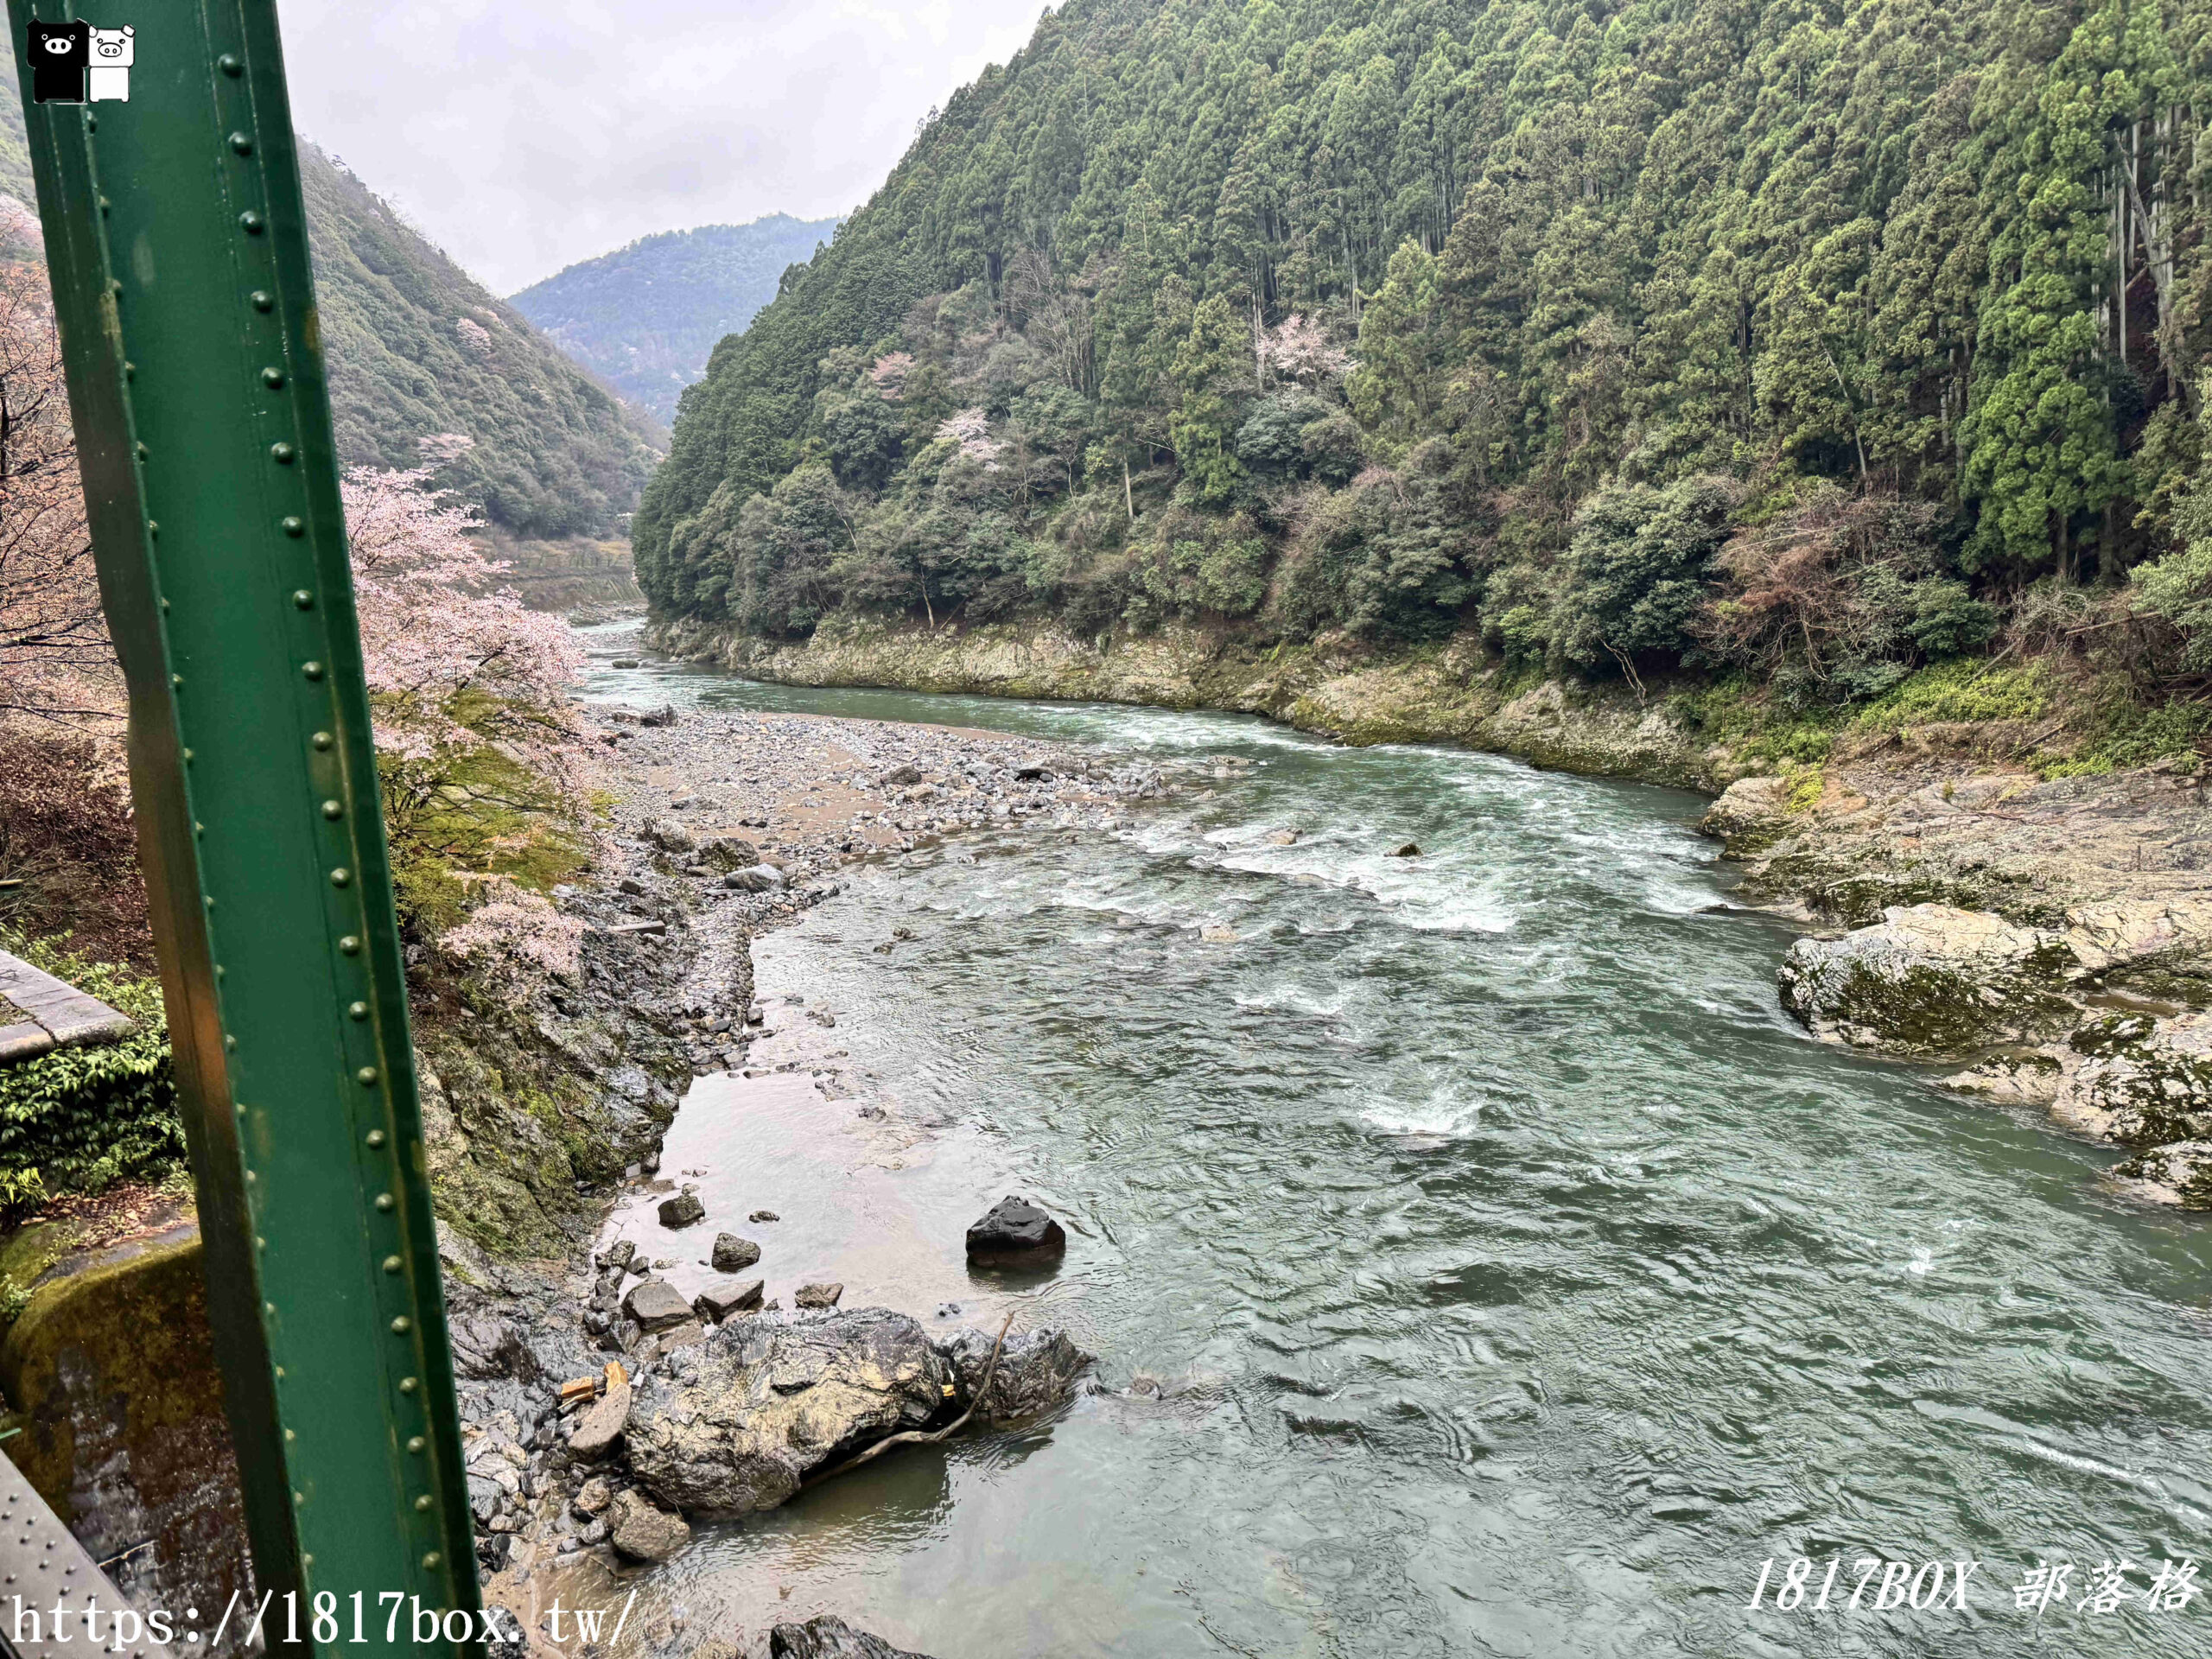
x,y
1447,695
2058,935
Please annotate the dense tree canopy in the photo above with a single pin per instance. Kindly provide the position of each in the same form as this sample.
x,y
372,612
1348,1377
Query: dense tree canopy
x,y
1403,316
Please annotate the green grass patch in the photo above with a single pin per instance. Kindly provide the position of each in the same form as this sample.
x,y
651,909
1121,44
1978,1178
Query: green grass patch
x,y
1965,690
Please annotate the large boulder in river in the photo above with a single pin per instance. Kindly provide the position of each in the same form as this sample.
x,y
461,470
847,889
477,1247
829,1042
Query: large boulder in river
x,y
643,1532
733,1424
1932,979
827,1637
2180,1173
681,1210
732,1254
1036,1372
2137,1079
1014,1230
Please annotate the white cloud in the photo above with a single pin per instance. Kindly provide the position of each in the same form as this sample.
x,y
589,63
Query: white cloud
x,y
526,135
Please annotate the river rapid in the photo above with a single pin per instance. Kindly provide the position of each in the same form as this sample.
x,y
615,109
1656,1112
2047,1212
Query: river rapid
x,y
1480,1262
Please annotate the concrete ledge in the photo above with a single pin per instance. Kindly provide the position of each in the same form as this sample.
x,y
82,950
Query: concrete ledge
x,y
59,1013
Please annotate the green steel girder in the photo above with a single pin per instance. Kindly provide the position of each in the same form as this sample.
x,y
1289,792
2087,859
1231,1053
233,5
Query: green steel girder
x,y
178,247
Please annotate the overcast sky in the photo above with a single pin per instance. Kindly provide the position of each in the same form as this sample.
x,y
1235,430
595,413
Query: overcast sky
x,y
524,136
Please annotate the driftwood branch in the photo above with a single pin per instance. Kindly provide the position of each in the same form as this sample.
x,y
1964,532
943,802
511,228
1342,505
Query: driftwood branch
x,y
921,1437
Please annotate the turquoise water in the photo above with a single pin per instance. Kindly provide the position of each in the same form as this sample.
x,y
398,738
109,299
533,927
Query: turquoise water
x,y
1516,1277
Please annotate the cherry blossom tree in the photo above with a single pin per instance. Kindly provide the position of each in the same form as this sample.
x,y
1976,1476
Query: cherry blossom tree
x,y
1298,349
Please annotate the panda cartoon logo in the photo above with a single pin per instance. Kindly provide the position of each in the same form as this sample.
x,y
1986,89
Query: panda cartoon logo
x,y
61,54
109,78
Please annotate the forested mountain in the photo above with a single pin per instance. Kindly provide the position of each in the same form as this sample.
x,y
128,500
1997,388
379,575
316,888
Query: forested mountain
x,y
418,348
1811,339
644,316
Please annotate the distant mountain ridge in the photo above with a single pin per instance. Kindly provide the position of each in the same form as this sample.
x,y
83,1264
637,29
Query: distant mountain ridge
x,y
646,317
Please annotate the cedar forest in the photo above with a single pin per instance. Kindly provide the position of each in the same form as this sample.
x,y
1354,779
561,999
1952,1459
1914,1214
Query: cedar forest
x,y
1795,344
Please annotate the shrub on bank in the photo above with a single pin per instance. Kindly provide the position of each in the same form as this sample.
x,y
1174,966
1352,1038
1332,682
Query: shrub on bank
x,y
78,1120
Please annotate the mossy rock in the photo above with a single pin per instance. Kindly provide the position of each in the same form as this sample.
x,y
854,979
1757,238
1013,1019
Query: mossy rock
x,y
111,1374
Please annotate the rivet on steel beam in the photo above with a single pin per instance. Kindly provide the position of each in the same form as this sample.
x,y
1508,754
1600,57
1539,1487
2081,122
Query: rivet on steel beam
x,y
280,1371
291,1435
333,810
416,1443
130,370
375,1136
241,143
188,761
272,378
219,970
407,1385
229,64
252,223
209,901
423,1504
263,300
153,530
341,877
366,1077
252,1179
401,1326
177,680
350,945
431,1560
322,739
114,284
298,1498
313,671
385,1202
231,1046
392,1264
104,206
142,451
304,599
295,526
281,454
360,1011
91,123
268,1308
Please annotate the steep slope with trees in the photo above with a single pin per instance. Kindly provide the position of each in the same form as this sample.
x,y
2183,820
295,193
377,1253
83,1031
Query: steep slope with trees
x,y
1811,344
418,349
645,317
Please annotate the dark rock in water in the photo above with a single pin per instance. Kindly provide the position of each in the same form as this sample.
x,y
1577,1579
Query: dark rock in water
x,y
764,1215
644,1533
816,1295
734,1425
1016,1229
732,1254
1036,1373
663,716
626,662
1409,849
717,1302
681,1210
829,1638
656,1305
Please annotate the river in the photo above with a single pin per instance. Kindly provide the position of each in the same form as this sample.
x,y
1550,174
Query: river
x,y
1479,1261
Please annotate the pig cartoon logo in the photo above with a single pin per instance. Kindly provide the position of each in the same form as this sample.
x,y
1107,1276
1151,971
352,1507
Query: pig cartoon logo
x,y
109,74
60,54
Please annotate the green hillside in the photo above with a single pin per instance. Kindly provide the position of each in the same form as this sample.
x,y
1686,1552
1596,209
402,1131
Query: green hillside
x,y
1816,340
645,317
417,348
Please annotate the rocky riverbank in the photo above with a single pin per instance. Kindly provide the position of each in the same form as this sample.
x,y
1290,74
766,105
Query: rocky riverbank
x,y
2050,938
590,1389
